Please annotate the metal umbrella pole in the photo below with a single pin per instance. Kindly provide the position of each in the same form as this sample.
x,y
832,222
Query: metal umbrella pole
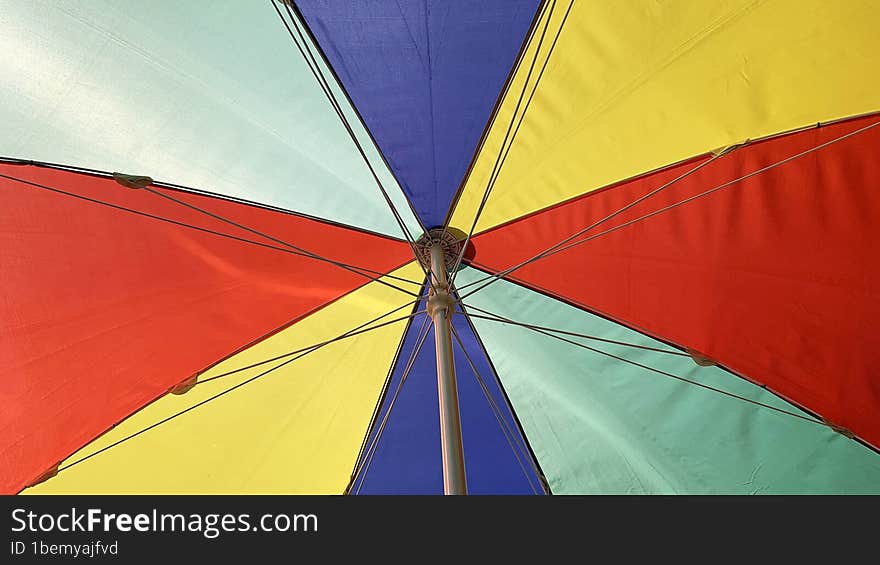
x,y
440,307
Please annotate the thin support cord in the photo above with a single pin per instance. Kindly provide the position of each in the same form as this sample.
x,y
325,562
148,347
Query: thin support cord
x,y
539,16
273,238
301,353
323,83
351,333
509,435
502,153
496,276
598,222
380,401
682,379
364,467
491,316
291,250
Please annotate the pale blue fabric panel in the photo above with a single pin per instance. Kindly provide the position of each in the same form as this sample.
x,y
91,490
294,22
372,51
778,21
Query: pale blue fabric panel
x,y
214,96
600,425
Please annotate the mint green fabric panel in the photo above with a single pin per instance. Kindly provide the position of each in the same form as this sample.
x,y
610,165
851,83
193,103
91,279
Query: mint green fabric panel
x,y
599,425
212,95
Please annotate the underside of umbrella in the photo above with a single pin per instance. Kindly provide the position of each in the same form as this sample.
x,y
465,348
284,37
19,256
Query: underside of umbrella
x,y
499,247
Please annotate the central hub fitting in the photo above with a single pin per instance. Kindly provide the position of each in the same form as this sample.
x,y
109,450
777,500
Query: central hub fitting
x,y
438,250
450,241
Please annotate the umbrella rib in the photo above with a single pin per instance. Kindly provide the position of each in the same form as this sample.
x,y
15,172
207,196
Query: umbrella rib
x,y
367,461
501,319
494,372
596,223
556,249
683,379
306,252
502,155
721,186
300,353
293,251
509,435
85,171
351,333
505,146
382,396
315,69
496,109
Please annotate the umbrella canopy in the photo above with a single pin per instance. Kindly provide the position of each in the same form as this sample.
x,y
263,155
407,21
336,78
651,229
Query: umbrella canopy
x,y
662,222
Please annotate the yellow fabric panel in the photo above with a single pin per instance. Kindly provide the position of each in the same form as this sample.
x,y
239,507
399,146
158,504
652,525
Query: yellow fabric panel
x,y
295,430
636,85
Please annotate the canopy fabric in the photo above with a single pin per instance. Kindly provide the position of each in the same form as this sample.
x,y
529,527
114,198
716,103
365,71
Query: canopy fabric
x,y
450,60
209,280
773,277
405,458
216,98
632,86
600,425
296,431
139,304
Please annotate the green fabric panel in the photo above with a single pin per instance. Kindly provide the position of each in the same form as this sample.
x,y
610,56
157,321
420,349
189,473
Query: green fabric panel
x,y
599,425
209,95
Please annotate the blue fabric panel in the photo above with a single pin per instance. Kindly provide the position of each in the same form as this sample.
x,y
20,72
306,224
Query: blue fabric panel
x,y
425,76
407,456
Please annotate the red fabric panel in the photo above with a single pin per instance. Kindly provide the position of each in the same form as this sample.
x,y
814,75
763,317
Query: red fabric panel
x,y
101,310
775,277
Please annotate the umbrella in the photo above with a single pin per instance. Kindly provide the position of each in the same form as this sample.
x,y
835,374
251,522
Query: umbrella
x,y
510,246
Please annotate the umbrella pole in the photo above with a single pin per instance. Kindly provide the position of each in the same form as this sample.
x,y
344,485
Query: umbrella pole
x,y
440,307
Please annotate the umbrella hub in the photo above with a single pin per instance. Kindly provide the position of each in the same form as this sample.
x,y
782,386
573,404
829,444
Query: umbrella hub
x,y
438,251
451,241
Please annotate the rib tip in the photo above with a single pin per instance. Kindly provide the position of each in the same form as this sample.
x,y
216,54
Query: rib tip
x,y
132,181
184,386
701,359
839,429
44,477
724,150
